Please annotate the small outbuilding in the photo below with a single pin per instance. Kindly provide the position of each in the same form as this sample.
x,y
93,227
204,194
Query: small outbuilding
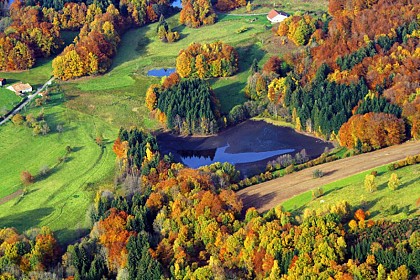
x,y
2,82
20,88
275,17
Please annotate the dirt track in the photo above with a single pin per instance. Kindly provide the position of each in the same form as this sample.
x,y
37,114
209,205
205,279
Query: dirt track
x,y
267,195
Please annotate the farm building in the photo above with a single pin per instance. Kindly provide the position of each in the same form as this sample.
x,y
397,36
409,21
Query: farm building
x,y
275,17
20,88
2,82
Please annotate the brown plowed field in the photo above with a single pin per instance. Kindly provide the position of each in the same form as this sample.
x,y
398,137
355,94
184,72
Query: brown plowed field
x,y
269,194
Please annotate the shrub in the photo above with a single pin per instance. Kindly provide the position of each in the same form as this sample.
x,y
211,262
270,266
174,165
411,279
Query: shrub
x,y
393,182
18,119
289,169
317,173
26,178
374,173
370,184
318,192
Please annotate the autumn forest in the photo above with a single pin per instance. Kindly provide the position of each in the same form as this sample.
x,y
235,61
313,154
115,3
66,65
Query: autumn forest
x,y
346,76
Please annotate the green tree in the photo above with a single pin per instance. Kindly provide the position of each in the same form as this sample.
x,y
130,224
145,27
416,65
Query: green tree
x,y
370,184
393,182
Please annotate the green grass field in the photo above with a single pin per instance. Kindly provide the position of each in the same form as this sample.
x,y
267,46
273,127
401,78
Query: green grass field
x,y
8,100
60,199
352,190
118,96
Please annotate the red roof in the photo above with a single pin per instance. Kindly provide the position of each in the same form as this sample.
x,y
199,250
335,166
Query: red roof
x,y
272,14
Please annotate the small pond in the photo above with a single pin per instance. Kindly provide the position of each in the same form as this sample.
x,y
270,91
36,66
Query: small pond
x,y
249,146
162,72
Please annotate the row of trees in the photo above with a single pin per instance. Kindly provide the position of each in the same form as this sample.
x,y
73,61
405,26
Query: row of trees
x,y
207,60
186,106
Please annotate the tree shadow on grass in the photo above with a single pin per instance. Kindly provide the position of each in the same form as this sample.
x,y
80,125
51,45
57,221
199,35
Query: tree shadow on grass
x,y
255,200
25,220
133,44
70,236
247,54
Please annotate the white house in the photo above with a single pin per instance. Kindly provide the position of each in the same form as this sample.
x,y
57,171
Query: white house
x,y
275,17
20,88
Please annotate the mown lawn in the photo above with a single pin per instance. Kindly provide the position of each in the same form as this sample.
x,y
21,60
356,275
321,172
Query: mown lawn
x,y
8,100
377,203
60,199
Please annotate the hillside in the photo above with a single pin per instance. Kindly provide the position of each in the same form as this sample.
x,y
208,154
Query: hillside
x,y
89,190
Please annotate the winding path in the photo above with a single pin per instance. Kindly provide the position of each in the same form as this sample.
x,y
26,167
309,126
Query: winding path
x,y
30,97
269,194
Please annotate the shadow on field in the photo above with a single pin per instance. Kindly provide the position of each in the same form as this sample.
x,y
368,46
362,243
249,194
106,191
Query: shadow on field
x,y
25,220
70,236
133,44
256,200
247,54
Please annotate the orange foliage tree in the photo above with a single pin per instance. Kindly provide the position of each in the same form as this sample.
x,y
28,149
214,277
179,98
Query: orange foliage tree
x,y
113,235
372,131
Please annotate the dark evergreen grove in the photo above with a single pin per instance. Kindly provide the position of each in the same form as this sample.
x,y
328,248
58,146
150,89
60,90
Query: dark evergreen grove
x,y
190,107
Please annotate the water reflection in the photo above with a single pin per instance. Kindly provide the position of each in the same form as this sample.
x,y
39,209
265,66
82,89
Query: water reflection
x,y
198,158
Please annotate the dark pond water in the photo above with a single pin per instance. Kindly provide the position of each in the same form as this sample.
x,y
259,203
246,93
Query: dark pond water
x,y
249,146
162,72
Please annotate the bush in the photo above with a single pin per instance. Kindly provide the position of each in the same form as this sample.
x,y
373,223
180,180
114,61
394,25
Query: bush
x,y
392,210
393,182
26,178
289,169
317,173
318,192
370,184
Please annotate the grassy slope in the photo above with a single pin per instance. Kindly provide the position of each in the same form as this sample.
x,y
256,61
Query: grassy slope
x,y
8,100
60,200
352,190
124,86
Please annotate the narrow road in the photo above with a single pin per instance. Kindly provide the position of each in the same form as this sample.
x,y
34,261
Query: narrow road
x,y
269,194
30,97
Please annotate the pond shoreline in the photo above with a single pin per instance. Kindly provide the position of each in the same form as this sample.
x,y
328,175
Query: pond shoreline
x,y
249,136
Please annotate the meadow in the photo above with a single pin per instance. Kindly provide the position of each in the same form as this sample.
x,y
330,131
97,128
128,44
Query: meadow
x,y
60,198
8,100
378,203
118,96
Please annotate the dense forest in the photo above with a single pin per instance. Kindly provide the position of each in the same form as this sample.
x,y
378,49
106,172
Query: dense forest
x,y
35,31
186,106
175,222
356,61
